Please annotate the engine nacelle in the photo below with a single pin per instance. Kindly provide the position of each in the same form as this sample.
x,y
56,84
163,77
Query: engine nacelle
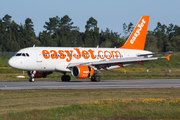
x,y
82,71
38,74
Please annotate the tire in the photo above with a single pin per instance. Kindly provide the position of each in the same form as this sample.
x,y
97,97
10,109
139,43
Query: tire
x,y
92,78
95,78
65,78
68,78
31,79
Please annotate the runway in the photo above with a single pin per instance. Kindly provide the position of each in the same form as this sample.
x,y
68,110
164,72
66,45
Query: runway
x,y
86,84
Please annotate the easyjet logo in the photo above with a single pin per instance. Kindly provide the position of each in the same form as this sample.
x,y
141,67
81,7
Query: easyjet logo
x,y
137,33
77,54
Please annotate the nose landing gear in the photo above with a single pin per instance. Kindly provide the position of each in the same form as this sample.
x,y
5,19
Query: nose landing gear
x,y
31,75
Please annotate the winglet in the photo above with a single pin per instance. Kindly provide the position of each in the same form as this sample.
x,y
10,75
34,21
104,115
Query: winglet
x,y
168,57
138,37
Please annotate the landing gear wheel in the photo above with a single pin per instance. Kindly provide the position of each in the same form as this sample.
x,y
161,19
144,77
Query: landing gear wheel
x,y
92,78
66,78
31,74
31,79
95,78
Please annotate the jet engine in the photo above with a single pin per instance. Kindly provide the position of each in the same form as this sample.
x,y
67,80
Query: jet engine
x,y
82,71
38,74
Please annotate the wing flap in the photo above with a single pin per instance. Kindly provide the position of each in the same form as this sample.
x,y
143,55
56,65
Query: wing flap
x,y
124,60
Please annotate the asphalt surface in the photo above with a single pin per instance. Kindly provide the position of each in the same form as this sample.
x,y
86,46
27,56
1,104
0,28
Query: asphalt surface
x,y
86,84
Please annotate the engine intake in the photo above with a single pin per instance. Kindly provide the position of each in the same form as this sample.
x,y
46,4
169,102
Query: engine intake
x,y
82,71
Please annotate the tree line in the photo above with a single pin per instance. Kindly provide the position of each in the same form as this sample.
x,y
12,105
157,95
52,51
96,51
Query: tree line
x,y
62,33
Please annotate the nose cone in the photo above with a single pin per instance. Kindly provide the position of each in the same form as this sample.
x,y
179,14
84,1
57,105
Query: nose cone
x,y
12,63
19,63
15,62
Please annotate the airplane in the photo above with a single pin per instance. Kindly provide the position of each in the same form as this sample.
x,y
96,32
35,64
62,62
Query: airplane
x,y
83,62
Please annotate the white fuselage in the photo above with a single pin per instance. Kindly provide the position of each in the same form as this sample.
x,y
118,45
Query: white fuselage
x,y
58,58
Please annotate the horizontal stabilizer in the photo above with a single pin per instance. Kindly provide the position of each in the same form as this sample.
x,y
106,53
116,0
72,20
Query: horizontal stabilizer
x,y
168,57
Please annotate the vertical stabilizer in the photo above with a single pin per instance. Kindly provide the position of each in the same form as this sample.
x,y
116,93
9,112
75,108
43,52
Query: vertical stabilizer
x,y
138,37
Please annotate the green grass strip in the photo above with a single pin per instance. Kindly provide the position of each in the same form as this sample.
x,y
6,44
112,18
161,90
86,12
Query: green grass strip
x,y
151,108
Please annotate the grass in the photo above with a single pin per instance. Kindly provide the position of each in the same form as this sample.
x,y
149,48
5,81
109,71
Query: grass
x,y
135,103
4,61
117,110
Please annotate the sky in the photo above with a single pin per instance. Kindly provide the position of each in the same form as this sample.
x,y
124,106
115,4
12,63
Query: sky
x,y
108,13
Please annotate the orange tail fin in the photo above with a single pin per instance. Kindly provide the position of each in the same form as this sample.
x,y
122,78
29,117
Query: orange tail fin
x,y
138,37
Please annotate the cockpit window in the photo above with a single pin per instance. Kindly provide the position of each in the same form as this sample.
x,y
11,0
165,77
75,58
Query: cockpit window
x,y
22,54
27,54
19,54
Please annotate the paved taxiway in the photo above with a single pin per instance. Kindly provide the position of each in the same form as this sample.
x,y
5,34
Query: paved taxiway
x,y
86,84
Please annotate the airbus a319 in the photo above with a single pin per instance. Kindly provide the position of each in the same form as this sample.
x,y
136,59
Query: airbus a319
x,y
83,62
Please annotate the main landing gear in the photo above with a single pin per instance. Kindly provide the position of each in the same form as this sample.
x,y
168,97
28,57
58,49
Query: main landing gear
x,y
65,78
95,78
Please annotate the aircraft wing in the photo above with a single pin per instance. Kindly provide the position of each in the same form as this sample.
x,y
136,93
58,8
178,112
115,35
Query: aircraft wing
x,y
120,61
